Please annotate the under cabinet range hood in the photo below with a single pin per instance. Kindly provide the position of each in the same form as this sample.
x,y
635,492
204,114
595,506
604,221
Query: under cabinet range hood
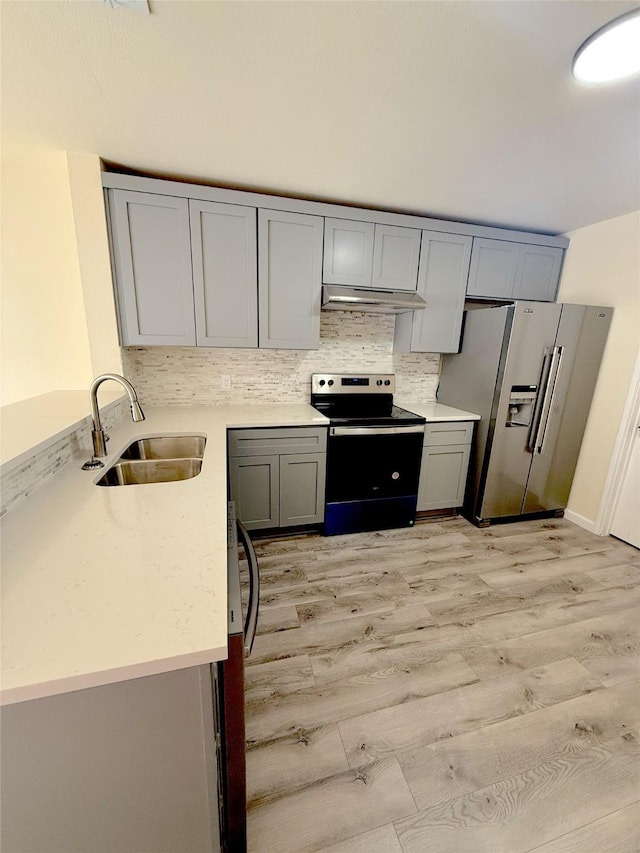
x,y
338,298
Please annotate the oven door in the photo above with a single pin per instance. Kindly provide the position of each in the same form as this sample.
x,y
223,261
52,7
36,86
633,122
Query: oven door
x,y
372,477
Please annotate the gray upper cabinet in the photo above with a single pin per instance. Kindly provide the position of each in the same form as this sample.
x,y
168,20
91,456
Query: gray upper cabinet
x,y
501,269
366,254
442,282
151,252
289,279
348,252
396,252
538,273
225,274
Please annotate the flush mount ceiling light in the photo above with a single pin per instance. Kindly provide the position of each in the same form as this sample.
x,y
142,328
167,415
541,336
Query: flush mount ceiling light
x,y
611,53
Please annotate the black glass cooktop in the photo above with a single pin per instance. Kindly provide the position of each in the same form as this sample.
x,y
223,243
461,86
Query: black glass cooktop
x,y
362,411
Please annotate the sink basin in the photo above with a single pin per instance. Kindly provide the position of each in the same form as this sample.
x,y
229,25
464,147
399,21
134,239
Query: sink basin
x,y
166,447
140,471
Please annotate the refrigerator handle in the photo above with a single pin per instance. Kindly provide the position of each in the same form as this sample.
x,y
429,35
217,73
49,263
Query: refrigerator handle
x,y
538,416
553,384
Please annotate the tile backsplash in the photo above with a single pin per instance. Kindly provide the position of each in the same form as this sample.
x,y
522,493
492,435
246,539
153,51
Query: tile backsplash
x,y
349,342
30,474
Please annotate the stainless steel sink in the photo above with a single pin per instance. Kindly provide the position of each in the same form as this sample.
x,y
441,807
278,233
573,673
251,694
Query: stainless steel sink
x,y
166,447
140,471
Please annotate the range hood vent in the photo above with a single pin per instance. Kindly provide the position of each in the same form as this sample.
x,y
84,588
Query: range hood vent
x,y
337,298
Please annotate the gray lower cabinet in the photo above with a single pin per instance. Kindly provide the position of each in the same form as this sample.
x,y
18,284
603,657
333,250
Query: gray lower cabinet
x,y
445,462
277,475
125,767
501,269
289,279
442,282
151,254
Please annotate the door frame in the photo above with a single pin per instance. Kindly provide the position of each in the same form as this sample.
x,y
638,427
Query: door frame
x,y
621,455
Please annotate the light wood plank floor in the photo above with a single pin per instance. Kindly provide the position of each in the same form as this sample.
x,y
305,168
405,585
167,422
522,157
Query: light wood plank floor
x,y
444,689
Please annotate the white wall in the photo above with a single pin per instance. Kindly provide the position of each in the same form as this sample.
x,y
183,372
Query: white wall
x,y
45,344
92,242
602,267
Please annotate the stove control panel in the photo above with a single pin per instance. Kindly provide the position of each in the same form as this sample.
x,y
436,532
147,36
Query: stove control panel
x,y
353,383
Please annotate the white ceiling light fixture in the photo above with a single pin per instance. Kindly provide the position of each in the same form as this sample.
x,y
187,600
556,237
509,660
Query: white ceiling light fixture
x,y
611,53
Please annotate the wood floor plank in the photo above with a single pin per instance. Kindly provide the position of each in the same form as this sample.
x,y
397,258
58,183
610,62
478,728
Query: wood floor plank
x,y
383,840
277,619
612,639
277,678
466,560
450,586
511,576
401,728
329,811
558,599
324,636
618,832
382,655
447,769
302,757
362,694
349,605
518,812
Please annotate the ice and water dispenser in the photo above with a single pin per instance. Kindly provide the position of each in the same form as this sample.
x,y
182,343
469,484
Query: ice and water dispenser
x,y
522,401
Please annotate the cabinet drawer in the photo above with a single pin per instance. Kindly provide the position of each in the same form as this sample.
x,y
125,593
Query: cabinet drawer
x,y
269,441
448,432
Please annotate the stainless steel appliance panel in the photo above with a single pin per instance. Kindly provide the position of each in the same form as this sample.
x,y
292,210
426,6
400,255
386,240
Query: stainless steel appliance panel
x,y
471,379
529,369
531,341
581,338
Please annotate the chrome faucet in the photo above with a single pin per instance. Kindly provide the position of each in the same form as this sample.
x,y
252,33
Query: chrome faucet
x,y
97,433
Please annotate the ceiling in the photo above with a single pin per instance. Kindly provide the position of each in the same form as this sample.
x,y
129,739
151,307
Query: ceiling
x,y
464,110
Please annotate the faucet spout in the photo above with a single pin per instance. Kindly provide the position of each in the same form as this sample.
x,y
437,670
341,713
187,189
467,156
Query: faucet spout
x,y
99,438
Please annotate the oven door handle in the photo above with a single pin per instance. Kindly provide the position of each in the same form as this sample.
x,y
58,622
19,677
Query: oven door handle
x,y
251,622
373,430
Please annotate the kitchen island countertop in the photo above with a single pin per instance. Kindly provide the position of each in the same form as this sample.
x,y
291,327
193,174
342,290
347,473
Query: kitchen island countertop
x,y
104,584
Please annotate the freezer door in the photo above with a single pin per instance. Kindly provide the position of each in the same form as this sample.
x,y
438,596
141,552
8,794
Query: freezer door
x,y
580,341
508,458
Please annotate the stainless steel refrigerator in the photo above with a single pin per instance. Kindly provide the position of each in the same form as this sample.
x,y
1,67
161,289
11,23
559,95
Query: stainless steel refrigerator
x,y
529,370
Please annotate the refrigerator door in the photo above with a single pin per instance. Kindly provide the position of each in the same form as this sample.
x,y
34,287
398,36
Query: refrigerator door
x,y
579,344
472,379
528,367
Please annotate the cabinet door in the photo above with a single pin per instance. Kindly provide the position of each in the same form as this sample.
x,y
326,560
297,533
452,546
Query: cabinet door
x,y
225,274
254,483
289,279
152,258
443,476
348,252
442,282
538,273
302,481
396,252
493,268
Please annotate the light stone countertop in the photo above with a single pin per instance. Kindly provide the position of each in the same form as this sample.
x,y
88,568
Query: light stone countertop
x,y
436,412
104,584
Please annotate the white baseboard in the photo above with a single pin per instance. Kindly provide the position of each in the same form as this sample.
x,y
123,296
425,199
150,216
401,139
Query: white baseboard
x,y
581,521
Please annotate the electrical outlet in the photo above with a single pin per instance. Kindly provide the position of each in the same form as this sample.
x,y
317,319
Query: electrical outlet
x,y
225,381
